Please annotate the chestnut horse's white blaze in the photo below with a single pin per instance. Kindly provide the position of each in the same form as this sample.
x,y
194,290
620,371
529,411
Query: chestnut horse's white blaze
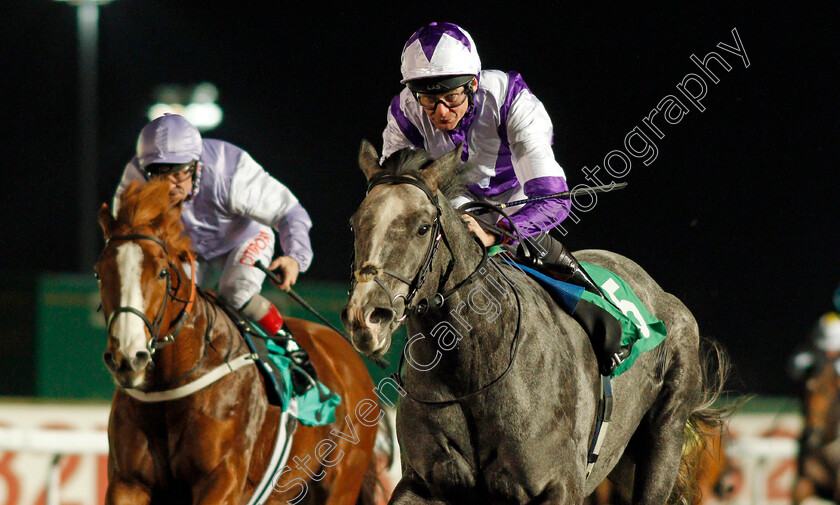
x,y
129,329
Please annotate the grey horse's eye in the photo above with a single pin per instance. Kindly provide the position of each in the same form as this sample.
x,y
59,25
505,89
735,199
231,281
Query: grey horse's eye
x,y
424,229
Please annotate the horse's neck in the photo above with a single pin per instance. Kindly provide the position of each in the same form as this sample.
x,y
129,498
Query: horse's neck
x,y
200,345
462,246
469,340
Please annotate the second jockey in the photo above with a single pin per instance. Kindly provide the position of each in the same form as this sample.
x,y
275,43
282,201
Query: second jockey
x,y
231,209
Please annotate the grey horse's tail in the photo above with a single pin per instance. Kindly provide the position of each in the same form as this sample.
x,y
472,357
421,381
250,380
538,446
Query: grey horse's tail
x,y
705,422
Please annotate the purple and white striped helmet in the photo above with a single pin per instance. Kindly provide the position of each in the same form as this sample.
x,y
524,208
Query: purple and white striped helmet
x,y
169,139
439,50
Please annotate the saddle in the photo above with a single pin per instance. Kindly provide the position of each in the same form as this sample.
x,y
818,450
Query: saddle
x,y
544,254
317,405
603,329
576,288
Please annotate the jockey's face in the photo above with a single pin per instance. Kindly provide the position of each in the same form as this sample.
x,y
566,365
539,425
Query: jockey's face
x,y
180,182
443,116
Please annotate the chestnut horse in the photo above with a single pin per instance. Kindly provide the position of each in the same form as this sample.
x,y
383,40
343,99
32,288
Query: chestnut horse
x,y
212,445
818,465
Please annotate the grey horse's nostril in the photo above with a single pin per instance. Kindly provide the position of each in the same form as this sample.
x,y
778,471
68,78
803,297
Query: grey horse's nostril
x,y
380,315
108,357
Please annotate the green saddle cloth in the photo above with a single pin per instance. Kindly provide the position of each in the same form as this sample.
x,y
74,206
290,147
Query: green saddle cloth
x,y
638,325
316,406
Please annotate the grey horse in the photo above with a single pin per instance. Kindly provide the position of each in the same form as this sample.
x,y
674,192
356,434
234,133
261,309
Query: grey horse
x,y
501,388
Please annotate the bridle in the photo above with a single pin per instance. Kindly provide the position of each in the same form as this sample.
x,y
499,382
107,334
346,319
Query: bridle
x,y
156,342
424,305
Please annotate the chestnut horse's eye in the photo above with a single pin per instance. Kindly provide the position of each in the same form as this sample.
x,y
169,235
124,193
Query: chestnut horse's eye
x,y
96,275
163,273
424,229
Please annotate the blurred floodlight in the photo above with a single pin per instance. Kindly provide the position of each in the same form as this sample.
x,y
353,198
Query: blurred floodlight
x,y
202,111
206,92
205,116
87,26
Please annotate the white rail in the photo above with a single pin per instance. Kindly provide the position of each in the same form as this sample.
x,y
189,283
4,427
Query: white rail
x,y
54,442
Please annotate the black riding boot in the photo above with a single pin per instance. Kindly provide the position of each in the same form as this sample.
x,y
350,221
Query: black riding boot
x,y
550,256
302,371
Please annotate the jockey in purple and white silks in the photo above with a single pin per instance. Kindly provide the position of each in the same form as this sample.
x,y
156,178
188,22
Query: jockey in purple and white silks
x,y
507,136
506,129
231,209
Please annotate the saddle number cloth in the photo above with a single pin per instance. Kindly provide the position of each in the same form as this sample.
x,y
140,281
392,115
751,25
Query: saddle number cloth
x,y
638,324
317,406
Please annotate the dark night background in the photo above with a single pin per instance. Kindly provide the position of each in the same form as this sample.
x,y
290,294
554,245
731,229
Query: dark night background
x,y
737,216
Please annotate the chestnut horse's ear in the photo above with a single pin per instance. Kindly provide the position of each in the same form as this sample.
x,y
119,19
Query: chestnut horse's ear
x,y
439,173
368,159
168,222
106,220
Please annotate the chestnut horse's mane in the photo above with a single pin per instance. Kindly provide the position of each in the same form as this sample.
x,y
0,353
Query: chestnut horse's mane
x,y
148,206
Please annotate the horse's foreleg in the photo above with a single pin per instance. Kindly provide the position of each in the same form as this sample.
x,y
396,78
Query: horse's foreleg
x,y
410,491
223,485
347,477
803,489
124,492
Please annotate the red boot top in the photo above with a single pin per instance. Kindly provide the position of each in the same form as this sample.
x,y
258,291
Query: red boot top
x,y
272,321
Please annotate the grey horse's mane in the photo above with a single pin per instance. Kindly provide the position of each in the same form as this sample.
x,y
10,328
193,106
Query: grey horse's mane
x,y
412,162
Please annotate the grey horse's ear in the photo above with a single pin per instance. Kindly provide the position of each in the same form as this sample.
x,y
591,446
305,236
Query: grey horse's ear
x,y
443,169
368,159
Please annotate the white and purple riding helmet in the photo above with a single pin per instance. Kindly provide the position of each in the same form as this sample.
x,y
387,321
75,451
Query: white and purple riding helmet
x,y
169,139
439,57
